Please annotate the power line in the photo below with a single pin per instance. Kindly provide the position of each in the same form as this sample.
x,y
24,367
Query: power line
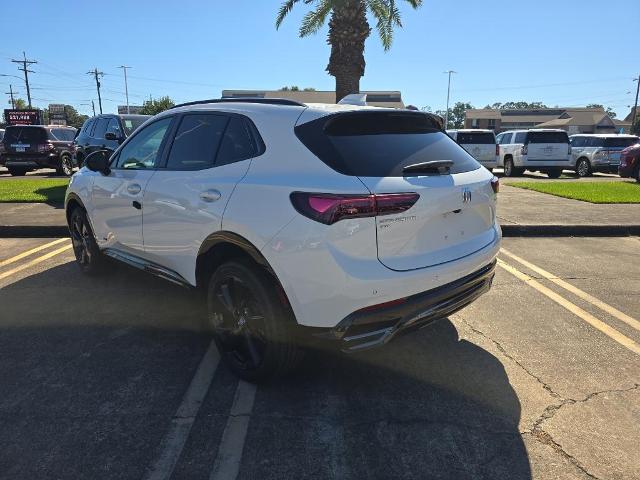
x,y
96,74
25,68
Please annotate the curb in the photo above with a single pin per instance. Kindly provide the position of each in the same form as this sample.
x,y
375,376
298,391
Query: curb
x,y
570,230
60,231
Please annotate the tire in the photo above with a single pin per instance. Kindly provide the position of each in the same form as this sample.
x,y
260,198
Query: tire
x,y
583,168
88,255
17,172
66,166
509,168
554,173
251,326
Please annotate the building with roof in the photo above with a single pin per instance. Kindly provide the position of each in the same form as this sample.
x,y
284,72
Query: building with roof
x,y
573,120
390,99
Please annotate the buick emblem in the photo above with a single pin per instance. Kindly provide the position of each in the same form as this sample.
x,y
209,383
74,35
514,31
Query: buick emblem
x,y
466,195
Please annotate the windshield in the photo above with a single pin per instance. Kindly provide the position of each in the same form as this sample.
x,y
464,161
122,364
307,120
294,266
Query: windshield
x,y
25,135
130,124
466,138
375,144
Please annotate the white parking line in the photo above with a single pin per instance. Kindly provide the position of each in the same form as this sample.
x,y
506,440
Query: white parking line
x,y
227,464
181,423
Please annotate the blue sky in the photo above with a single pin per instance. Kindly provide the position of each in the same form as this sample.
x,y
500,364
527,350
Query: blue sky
x,y
560,52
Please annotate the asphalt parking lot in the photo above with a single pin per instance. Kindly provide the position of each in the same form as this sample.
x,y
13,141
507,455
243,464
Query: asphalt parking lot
x,y
114,377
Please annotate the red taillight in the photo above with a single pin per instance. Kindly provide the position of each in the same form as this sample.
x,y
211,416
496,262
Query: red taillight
x,y
495,184
329,208
497,150
384,305
45,147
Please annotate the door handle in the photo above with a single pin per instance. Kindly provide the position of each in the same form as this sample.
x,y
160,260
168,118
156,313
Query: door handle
x,y
137,205
210,196
134,188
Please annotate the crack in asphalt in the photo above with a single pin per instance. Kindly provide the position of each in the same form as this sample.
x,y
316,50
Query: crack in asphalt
x,y
537,431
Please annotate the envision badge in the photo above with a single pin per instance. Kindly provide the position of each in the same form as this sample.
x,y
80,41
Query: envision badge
x,y
466,195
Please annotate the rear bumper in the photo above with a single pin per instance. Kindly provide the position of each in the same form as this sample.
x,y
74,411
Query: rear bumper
x,y
31,161
366,329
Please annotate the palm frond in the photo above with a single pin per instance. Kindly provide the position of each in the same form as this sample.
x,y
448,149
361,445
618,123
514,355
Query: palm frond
x,y
315,19
284,10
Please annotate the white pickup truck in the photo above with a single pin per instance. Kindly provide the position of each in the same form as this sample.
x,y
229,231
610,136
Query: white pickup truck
x,y
543,150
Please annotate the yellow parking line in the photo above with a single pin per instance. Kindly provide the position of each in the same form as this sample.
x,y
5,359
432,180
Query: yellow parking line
x,y
11,260
614,312
584,315
35,261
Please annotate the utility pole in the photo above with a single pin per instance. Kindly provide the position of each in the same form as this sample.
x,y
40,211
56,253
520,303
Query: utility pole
x,y
93,105
96,74
25,68
446,115
635,107
11,92
126,87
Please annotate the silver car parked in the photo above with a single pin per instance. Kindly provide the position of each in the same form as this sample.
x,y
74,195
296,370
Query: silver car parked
x,y
598,152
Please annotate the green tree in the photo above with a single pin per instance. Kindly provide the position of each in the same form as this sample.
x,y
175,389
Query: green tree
x,y
74,119
20,103
608,110
516,105
155,106
456,114
348,30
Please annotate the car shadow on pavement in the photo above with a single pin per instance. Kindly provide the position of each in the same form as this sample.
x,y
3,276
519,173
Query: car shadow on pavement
x,y
93,369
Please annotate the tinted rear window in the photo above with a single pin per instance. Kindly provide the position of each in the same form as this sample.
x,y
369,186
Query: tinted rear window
x,y
475,138
62,134
131,123
620,142
547,137
25,135
381,144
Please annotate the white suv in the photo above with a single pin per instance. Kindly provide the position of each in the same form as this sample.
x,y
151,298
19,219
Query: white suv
x,y
544,150
481,145
598,152
336,222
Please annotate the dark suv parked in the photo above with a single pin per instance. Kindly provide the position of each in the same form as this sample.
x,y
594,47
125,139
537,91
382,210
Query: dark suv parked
x,y
104,132
29,147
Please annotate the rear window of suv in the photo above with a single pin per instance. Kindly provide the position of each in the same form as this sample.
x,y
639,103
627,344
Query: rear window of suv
x,y
547,137
465,138
381,144
25,135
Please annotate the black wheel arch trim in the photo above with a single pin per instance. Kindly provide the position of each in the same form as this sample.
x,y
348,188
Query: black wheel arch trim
x,y
239,241
75,198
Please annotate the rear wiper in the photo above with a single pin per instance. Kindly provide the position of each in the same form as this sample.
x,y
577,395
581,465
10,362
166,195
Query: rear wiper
x,y
440,167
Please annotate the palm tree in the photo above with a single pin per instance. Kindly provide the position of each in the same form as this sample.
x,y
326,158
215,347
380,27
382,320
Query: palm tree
x,y
348,30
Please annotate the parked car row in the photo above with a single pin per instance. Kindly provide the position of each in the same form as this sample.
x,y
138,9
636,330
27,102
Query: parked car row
x,y
548,150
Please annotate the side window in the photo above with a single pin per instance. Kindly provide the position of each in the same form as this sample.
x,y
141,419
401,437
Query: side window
x,y
101,127
196,142
114,127
499,138
237,143
520,137
506,138
143,148
578,141
88,127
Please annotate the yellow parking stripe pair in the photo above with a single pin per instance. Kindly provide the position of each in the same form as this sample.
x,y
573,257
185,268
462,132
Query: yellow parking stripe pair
x,y
36,260
560,300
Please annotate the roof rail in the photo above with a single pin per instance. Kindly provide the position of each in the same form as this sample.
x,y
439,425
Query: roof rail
x,y
268,101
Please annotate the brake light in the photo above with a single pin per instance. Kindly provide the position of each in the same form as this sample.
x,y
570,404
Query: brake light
x,y
329,208
495,184
45,147
497,150
524,150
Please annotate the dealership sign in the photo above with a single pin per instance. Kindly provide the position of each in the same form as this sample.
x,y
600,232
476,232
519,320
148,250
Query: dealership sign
x,y
23,117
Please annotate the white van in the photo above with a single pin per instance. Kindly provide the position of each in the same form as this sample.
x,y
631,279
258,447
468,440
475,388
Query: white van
x,y
480,144
542,150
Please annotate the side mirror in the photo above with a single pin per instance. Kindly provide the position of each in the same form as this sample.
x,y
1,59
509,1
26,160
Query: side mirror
x,y
98,162
110,136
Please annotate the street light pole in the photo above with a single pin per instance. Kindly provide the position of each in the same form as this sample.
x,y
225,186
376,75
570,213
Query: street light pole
x,y
635,108
446,115
126,87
